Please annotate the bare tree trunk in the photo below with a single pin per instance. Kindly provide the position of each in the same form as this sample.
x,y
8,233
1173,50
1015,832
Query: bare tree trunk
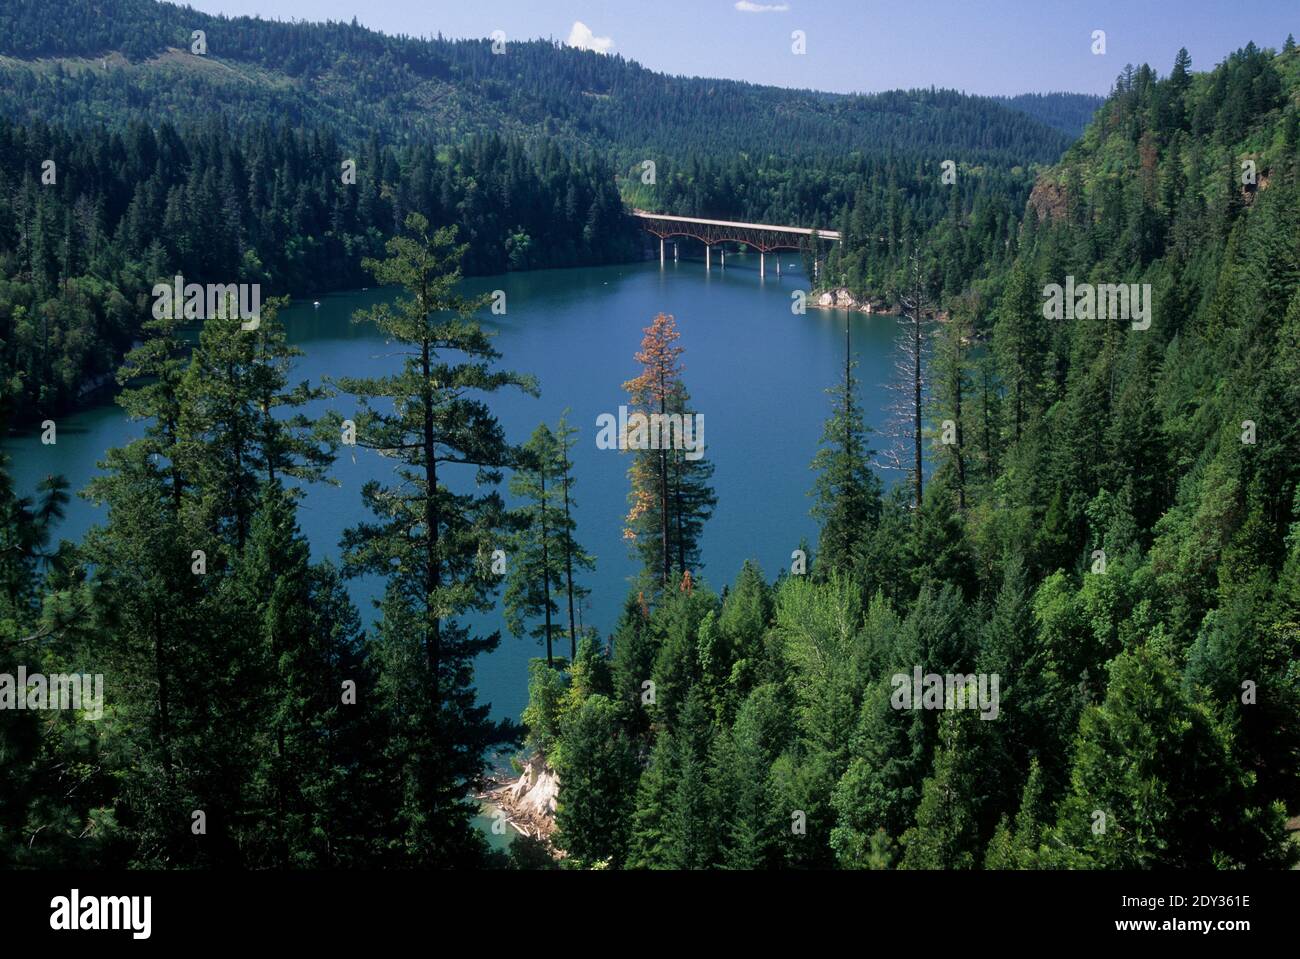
x,y
961,460
568,560
663,493
432,569
677,501
907,418
546,568
988,424
916,400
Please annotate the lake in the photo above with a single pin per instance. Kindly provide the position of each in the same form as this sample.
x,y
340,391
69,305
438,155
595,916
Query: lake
x,y
756,372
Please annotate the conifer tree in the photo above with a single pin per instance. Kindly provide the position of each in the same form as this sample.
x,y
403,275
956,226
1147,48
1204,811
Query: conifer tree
x,y
151,580
651,845
543,546
599,771
1019,849
760,734
1017,344
433,544
1155,783
670,498
538,566
946,831
847,492
692,832
952,390
573,553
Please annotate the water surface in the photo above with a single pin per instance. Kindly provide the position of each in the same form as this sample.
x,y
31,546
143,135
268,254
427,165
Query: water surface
x,y
757,373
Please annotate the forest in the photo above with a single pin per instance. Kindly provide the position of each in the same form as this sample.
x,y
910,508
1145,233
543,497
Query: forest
x,y
1105,517
535,154
1115,534
78,256
132,58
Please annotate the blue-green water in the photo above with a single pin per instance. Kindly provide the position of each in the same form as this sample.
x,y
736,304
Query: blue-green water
x,y
757,373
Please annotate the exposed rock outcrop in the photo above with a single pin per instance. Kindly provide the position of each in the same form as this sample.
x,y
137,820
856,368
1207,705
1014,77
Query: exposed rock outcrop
x,y
1048,200
529,801
843,299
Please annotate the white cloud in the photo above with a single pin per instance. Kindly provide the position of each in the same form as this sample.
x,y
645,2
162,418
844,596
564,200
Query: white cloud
x,y
582,38
744,6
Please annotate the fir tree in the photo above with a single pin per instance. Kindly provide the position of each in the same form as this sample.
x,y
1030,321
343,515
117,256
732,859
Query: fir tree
x,y
431,543
847,492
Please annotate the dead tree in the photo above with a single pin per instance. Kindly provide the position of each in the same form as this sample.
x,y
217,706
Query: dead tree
x,y
910,383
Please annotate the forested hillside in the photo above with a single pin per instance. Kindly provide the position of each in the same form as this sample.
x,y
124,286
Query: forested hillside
x,y
272,205
527,152
1115,534
1068,112
1099,518
133,60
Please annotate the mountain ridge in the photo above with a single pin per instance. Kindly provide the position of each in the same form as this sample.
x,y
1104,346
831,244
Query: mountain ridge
x,y
538,88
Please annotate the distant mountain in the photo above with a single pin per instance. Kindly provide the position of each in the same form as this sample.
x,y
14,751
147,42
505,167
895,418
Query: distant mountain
x,y
1067,112
131,59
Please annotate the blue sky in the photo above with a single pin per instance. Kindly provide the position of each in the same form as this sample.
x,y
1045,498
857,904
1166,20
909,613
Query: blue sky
x,y
981,46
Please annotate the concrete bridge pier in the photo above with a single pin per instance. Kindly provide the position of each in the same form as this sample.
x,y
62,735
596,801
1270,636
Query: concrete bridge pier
x,y
708,257
674,251
661,251
762,264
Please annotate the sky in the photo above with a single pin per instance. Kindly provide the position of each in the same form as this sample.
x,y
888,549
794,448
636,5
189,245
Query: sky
x,y
989,47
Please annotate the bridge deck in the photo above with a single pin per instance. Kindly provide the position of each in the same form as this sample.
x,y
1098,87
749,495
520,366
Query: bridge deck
x,y
735,224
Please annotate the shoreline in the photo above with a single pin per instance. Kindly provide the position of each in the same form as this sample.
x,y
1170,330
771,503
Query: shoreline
x,y
528,801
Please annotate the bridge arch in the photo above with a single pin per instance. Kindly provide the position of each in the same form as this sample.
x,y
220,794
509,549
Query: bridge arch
x,y
764,237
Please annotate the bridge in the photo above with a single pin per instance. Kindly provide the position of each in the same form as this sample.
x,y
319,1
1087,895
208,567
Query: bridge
x,y
764,237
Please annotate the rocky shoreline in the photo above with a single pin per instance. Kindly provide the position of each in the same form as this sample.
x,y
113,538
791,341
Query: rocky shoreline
x,y
842,298
529,800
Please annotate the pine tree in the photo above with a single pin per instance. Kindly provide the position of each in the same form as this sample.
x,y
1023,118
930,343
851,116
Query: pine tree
x,y
635,650
1018,345
294,446
599,772
952,390
543,546
847,492
538,565
428,541
219,419
945,834
308,647
573,553
651,845
51,773
659,357
145,562
670,498
761,732
693,499
1154,782
1020,849
692,832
